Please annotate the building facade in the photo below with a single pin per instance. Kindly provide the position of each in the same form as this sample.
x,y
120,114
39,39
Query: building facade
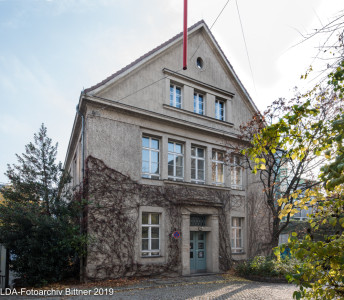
x,y
153,148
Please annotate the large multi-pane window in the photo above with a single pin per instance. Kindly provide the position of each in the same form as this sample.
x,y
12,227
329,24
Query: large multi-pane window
x,y
236,173
217,167
237,235
150,234
175,161
197,165
175,96
150,158
220,110
198,103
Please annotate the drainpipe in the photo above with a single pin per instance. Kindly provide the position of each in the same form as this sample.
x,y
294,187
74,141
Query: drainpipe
x,y
82,259
82,140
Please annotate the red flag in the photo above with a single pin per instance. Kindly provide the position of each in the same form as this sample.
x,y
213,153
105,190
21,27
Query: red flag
x,y
185,37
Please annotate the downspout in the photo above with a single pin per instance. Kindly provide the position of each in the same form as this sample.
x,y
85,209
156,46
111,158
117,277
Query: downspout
x,y
82,230
82,140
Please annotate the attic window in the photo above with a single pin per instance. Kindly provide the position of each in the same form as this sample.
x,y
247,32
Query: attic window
x,y
199,63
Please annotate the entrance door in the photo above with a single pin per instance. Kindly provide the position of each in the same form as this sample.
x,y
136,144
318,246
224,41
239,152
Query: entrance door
x,y
197,252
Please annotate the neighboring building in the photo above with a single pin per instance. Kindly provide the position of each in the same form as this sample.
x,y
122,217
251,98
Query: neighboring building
x,y
150,147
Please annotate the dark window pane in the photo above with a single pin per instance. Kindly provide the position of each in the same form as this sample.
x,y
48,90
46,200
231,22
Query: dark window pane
x,y
155,232
191,254
154,218
200,245
144,244
145,232
200,152
193,173
193,151
144,218
155,244
201,236
200,164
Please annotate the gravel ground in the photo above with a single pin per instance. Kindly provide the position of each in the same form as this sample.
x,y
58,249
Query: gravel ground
x,y
210,287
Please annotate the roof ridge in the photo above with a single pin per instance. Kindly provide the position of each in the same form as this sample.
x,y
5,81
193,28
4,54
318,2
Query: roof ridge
x,y
142,57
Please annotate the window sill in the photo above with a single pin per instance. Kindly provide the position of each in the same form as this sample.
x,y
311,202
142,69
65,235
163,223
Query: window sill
x,y
196,185
155,256
190,113
238,253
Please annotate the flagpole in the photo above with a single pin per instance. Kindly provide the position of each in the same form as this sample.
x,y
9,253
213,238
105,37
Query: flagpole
x,y
185,36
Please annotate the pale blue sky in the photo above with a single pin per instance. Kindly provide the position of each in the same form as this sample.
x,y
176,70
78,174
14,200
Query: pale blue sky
x,y
50,50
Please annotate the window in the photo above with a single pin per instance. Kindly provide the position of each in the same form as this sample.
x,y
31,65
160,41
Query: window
x,y
150,158
150,234
236,173
175,161
198,104
237,243
175,96
198,220
220,110
199,63
218,168
197,165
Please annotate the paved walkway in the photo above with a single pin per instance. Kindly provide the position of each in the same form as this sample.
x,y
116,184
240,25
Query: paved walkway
x,y
210,287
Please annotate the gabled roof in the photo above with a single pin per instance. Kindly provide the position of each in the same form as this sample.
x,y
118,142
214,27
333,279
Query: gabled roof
x,y
93,89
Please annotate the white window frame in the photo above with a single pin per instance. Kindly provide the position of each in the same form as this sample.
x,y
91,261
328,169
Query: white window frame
x,y
150,149
150,252
173,101
175,155
218,115
216,163
197,158
235,233
236,163
197,102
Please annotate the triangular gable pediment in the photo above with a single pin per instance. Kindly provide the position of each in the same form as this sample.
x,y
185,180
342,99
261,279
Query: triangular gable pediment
x,y
146,58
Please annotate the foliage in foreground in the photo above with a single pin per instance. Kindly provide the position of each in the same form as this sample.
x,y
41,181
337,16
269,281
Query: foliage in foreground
x,y
38,223
322,272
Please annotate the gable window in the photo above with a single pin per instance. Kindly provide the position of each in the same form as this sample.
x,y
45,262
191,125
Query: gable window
x,y
217,167
220,110
198,103
175,161
237,235
175,96
150,158
236,172
197,165
150,234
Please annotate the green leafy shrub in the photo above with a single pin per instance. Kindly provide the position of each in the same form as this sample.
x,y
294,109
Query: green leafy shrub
x,y
267,266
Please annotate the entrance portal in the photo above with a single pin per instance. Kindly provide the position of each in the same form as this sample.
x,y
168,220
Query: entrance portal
x,y
197,252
